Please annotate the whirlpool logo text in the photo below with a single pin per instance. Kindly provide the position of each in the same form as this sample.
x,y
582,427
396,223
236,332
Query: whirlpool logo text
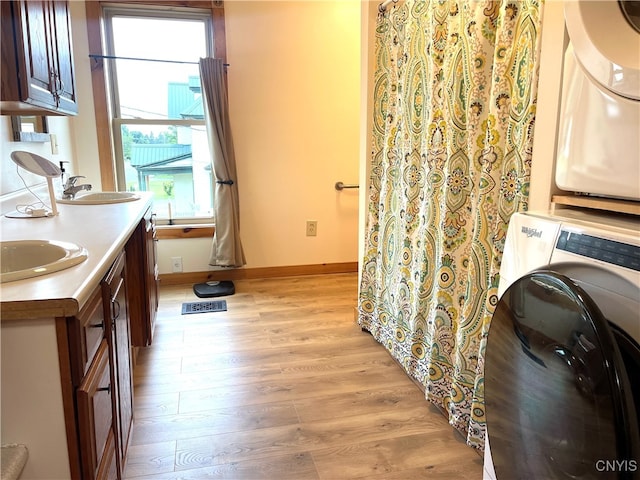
x,y
531,232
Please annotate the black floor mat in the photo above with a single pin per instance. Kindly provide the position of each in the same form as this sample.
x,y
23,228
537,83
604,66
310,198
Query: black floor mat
x,y
204,307
214,289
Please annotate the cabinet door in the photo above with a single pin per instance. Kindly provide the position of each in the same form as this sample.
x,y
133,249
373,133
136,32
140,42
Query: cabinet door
x,y
95,412
142,277
35,58
115,297
152,273
64,81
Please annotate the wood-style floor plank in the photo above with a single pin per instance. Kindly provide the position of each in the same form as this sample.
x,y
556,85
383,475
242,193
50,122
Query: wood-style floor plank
x,y
284,384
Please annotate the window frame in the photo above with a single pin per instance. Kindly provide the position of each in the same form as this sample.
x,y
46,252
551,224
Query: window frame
x,y
98,45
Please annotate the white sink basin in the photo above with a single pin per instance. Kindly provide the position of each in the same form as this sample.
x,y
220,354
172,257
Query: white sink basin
x,y
100,198
20,259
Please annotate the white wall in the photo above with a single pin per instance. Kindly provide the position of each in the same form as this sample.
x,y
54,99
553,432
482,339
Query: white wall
x,y
294,94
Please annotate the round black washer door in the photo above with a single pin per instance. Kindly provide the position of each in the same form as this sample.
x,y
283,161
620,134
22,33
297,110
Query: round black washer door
x,y
557,397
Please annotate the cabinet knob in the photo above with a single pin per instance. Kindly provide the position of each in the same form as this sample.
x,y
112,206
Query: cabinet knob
x,y
97,325
54,86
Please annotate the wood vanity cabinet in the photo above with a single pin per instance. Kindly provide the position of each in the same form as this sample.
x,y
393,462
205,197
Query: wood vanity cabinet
x,y
37,58
101,375
67,389
142,271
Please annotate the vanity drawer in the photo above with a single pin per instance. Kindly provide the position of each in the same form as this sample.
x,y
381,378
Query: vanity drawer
x,y
86,332
95,416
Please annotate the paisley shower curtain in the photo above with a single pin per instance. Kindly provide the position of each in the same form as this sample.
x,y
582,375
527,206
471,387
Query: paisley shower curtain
x,y
454,110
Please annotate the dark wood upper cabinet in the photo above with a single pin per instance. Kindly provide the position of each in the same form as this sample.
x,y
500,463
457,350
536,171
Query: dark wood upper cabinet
x,y
37,58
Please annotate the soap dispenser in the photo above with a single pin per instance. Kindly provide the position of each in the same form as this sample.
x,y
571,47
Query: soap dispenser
x,y
60,187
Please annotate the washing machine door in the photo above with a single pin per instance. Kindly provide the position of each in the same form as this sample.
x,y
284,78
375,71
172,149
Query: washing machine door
x,y
558,401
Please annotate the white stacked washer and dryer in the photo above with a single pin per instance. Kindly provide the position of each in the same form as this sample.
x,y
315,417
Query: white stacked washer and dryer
x,y
562,363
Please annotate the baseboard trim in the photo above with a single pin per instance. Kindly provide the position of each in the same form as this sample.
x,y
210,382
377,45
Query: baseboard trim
x,y
255,273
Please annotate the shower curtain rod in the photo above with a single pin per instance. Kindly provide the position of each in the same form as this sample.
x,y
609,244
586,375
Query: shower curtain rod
x,y
114,57
383,6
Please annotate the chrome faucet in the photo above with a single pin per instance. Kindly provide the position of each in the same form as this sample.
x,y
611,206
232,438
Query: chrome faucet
x,y
70,188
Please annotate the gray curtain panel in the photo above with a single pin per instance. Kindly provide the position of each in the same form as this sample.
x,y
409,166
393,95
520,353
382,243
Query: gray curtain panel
x,y
226,250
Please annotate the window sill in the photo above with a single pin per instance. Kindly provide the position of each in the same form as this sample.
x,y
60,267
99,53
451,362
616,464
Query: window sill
x,y
172,232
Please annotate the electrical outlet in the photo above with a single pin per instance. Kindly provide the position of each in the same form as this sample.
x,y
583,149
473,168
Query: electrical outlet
x,y
312,228
176,264
54,143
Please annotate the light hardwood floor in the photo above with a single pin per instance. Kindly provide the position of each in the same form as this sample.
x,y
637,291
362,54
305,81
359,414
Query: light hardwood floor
x,y
283,385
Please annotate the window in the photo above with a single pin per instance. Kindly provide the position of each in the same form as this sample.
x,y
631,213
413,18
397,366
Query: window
x,y
158,127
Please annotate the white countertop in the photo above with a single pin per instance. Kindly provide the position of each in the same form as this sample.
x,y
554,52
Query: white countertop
x,y
102,229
